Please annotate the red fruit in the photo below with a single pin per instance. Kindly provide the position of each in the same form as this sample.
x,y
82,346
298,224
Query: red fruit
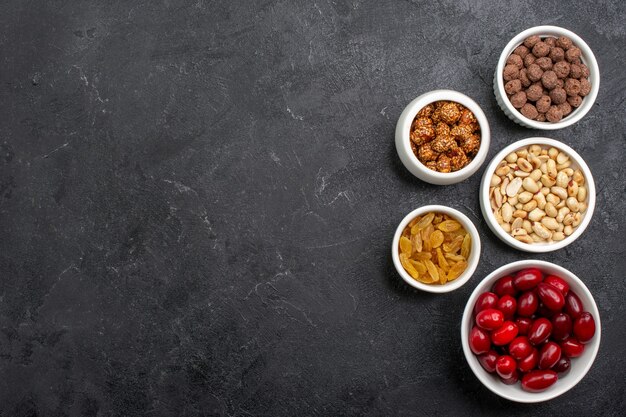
x,y
488,361
520,347
573,305
584,327
527,304
558,283
527,279
529,362
550,296
540,331
507,305
504,334
523,325
549,355
490,319
479,340
485,300
504,286
536,381
512,380
544,311
563,365
561,327
505,366
572,348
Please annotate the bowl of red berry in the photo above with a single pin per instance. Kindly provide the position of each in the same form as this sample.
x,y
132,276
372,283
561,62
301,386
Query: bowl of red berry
x,y
530,331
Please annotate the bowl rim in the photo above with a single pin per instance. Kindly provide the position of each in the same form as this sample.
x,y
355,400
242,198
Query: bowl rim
x,y
472,360
472,263
448,95
490,218
587,57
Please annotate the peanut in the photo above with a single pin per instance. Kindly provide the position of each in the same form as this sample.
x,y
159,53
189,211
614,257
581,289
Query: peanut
x,y
537,196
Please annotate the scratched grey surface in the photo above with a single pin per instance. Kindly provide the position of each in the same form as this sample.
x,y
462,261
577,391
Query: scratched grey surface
x,y
197,200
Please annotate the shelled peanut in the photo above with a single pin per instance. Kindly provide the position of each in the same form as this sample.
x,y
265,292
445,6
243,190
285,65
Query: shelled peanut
x,y
536,196
434,248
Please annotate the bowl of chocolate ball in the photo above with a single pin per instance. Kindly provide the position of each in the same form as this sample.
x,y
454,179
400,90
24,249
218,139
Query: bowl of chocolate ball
x,y
547,78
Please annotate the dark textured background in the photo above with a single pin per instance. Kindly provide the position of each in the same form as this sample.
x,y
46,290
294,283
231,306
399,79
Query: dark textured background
x,y
197,200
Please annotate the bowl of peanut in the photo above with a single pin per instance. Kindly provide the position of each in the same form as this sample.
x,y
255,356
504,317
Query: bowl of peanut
x,y
442,137
436,249
537,195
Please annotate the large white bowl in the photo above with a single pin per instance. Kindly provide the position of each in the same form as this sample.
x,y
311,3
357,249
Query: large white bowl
x,y
403,141
577,163
472,262
580,365
587,58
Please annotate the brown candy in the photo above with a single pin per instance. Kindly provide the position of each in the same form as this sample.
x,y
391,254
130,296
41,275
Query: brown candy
x,y
518,99
461,132
576,71
530,111
557,54
450,113
575,101
558,95
426,111
585,87
534,92
523,77
572,87
531,41
534,72
529,60
572,54
541,49
564,42
425,153
565,108
442,129
549,79
522,51
554,114
545,78
543,104
561,69
449,126
516,60
470,145
458,159
584,70
513,87
544,63
443,163
511,72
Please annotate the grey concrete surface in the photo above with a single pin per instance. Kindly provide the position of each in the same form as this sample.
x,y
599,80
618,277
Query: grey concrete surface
x,y
197,200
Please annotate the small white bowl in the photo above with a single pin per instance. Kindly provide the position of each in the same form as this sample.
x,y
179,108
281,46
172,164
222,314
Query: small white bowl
x,y
587,58
580,365
577,163
403,141
472,262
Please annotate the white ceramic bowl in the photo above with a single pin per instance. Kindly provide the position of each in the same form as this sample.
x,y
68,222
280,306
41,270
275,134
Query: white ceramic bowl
x,y
472,262
577,163
403,141
587,58
580,365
